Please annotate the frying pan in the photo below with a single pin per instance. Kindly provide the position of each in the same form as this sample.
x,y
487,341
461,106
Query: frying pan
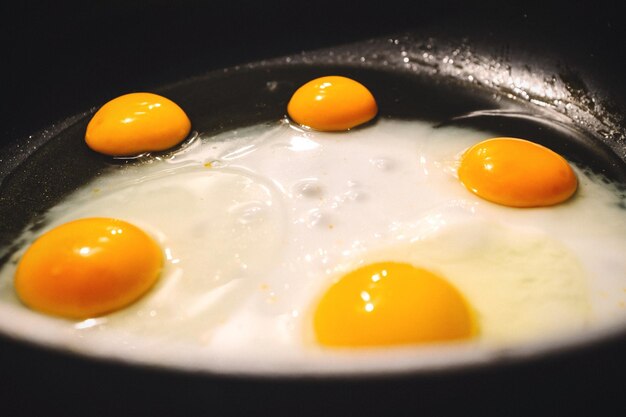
x,y
65,60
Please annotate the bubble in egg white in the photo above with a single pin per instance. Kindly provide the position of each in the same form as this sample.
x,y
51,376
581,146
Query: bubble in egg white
x,y
308,188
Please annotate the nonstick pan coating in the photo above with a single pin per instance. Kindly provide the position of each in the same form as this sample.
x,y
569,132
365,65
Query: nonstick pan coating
x,y
66,60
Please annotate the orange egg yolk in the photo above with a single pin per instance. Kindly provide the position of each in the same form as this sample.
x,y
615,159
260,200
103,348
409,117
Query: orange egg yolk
x,y
332,103
391,304
517,173
135,123
88,267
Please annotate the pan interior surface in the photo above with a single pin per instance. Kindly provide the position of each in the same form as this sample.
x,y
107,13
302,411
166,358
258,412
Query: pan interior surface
x,y
442,85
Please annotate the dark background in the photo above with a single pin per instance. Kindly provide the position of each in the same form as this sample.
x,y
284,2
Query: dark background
x,y
60,59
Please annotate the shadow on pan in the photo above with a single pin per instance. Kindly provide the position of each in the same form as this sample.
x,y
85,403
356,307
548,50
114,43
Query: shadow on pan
x,y
39,168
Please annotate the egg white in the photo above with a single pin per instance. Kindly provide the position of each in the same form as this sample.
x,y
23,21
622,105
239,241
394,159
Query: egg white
x,y
256,223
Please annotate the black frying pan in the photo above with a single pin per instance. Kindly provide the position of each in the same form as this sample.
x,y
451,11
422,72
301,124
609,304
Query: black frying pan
x,y
67,60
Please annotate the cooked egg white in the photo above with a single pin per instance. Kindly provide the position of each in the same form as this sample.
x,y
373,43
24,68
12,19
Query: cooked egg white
x,y
256,224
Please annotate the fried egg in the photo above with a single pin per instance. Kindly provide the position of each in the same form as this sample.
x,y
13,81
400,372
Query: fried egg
x,y
88,267
332,103
517,173
135,123
261,226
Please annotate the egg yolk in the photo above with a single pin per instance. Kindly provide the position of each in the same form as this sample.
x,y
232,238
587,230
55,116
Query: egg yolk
x,y
88,267
135,123
391,304
517,173
332,103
